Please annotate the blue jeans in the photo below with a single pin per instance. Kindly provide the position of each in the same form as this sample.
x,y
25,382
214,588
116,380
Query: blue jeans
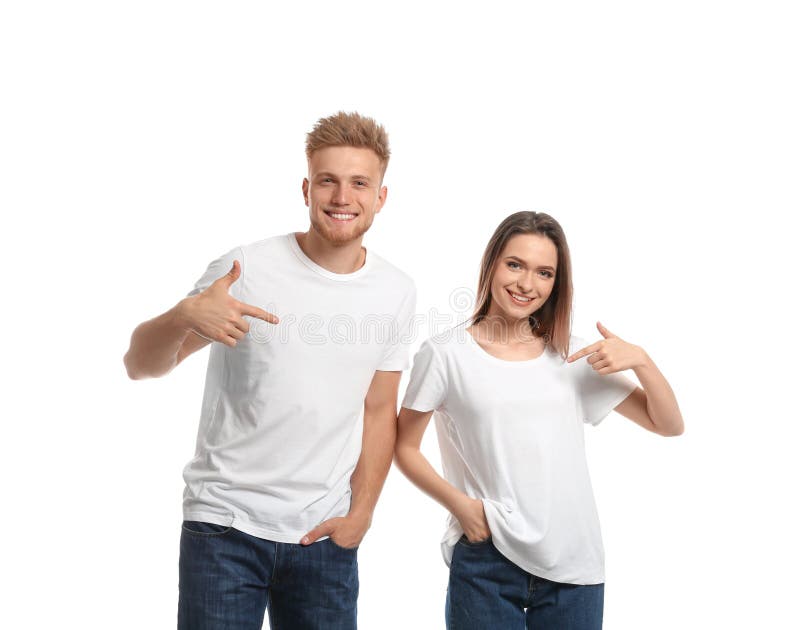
x,y
487,591
228,579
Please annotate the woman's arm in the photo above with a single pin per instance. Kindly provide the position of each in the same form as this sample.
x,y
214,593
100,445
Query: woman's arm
x,y
652,406
411,427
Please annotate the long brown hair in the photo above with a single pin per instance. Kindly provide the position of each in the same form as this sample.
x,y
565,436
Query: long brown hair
x,y
553,320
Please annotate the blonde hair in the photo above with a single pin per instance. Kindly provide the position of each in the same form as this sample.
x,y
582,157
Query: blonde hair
x,y
349,129
553,320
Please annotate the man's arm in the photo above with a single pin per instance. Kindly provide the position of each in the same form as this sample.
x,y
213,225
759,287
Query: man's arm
x,y
158,345
377,448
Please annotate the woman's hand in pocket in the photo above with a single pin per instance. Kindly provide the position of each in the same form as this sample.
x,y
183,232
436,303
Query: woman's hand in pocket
x,y
473,519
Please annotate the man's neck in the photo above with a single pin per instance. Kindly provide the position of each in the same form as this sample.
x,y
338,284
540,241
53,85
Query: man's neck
x,y
335,257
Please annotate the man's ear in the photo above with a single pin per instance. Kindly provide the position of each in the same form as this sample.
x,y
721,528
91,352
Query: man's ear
x,y
305,189
382,198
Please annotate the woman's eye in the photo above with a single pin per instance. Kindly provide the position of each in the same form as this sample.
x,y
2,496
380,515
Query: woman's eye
x,y
546,274
513,265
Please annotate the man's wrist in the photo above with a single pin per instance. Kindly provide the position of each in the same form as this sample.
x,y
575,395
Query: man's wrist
x,y
179,316
361,516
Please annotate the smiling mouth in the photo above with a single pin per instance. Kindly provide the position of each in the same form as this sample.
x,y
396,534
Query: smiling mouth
x,y
519,299
341,217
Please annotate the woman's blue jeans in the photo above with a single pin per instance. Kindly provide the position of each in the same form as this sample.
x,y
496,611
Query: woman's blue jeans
x,y
487,591
228,579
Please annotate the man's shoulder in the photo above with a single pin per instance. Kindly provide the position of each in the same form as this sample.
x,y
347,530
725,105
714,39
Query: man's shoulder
x,y
391,273
266,245
266,251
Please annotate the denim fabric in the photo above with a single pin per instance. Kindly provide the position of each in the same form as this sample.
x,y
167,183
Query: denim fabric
x,y
228,578
487,591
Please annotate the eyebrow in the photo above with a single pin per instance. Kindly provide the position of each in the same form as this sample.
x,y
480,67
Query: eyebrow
x,y
518,259
335,176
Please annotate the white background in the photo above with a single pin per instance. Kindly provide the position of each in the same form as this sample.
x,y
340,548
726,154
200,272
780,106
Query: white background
x,y
138,141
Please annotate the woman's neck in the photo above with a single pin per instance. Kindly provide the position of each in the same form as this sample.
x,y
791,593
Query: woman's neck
x,y
498,327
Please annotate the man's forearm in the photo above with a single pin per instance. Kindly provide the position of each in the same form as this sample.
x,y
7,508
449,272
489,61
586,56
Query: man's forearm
x,y
377,449
155,345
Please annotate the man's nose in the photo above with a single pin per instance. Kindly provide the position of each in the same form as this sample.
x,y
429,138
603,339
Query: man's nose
x,y
341,196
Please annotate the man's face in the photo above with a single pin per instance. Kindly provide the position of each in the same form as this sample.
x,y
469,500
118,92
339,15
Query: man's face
x,y
343,192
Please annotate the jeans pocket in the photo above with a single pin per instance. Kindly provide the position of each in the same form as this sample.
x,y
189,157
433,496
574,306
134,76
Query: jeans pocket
x,y
478,543
338,546
199,528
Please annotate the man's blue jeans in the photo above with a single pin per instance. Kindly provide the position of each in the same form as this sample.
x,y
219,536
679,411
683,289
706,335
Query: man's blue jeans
x,y
228,578
487,591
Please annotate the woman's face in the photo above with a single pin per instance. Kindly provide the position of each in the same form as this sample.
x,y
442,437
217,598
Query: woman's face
x,y
523,277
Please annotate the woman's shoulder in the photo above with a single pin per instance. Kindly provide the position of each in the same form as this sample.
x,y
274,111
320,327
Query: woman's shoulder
x,y
576,343
446,342
449,337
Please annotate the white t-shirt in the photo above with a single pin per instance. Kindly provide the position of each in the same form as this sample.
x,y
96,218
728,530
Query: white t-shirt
x,y
281,422
511,434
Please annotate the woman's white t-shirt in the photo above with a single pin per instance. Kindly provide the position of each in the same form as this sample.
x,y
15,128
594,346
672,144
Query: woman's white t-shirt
x,y
511,434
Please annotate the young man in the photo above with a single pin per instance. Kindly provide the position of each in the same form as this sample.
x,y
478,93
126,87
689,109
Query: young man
x,y
286,474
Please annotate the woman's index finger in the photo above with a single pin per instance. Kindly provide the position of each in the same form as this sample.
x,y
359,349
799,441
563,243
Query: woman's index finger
x,y
584,352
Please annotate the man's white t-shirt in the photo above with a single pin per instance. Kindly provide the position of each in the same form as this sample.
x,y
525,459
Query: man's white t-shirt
x,y
511,434
281,421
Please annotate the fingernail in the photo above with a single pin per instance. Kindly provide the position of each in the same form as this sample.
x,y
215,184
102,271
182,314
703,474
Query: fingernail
x,y
304,540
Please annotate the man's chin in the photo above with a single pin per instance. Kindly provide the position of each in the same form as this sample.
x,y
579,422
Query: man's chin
x,y
340,236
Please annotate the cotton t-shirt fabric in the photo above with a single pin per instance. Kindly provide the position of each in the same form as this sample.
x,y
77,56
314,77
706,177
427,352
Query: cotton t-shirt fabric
x,y
281,420
511,434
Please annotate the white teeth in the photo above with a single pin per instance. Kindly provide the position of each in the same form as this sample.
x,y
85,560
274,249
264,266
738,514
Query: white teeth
x,y
341,217
521,298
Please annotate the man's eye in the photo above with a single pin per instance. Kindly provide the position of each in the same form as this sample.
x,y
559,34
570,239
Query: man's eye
x,y
361,183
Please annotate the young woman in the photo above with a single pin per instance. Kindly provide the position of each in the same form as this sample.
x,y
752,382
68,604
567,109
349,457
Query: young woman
x,y
511,395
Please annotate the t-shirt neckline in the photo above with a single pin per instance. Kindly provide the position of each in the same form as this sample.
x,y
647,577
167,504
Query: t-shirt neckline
x,y
471,341
291,237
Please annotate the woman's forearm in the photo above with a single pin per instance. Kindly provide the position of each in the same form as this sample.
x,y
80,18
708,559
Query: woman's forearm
x,y
418,469
662,406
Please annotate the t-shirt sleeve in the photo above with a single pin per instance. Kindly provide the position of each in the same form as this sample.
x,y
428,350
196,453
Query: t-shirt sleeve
x,y
218,268
427,385
395,358
598,394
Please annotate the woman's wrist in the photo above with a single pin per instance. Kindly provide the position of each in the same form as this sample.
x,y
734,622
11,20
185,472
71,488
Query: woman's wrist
x,y
462,505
